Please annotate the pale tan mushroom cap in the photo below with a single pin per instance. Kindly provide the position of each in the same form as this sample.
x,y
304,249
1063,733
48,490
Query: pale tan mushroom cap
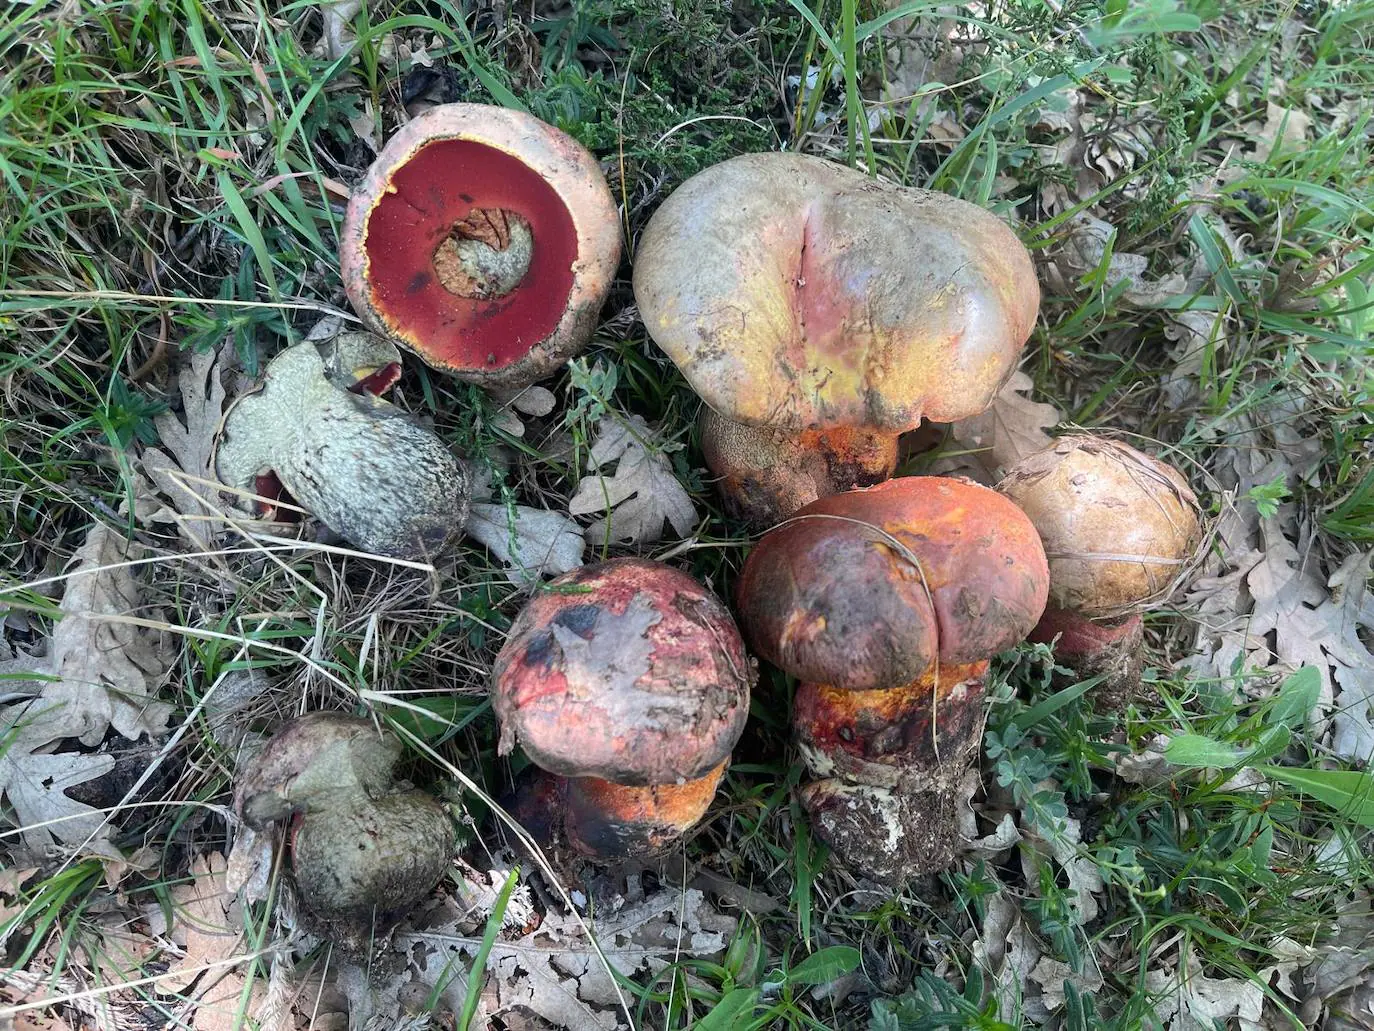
x,y
1118,526
797,293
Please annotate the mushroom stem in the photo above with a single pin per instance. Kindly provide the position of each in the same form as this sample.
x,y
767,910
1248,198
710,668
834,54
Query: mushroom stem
x,y
1109,648
607,821
766,474
897,756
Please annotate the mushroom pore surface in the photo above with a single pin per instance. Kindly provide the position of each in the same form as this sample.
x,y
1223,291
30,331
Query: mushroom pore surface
x,y
484,241
874,588
628,671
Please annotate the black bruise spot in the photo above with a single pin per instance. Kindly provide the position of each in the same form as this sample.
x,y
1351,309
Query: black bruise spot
x,y
580,619
466,198
542,651
417,282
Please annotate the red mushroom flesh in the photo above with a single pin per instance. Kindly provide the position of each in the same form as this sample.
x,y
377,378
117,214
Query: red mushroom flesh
x,y
887,604
483,240
629,680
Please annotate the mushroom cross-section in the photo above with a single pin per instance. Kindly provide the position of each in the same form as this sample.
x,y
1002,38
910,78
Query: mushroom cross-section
x,y
628,682
484,241
363,850
357,463
1118,527
887,603
824,314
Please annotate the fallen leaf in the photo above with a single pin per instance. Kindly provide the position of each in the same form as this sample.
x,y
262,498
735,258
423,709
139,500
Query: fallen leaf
x,y
1085,246
207,923
1284,131
102,670
555,971
192,447
640,496
1190,1001
98,673
528,541
1012,428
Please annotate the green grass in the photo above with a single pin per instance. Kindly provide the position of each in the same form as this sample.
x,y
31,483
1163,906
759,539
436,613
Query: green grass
x,y
169,180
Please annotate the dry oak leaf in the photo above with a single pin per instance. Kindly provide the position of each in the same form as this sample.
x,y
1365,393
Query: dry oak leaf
x,y
555,972
192,445
98,673
528,541
1012,428
640,496
207,922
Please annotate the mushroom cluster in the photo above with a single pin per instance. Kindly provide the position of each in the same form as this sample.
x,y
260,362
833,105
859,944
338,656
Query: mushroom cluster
x,y
628,684
886,604
820,314
363,848
1118,527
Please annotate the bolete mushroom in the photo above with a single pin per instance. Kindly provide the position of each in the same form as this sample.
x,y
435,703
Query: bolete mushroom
x,y
820,314
628,682
887,603
363,849
484,241
1118,527
315,431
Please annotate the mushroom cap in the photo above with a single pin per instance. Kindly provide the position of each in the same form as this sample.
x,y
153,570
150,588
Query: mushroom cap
x,y
312,760
1118,526
360,866
354,461
872,588
798,293
626,670
443,166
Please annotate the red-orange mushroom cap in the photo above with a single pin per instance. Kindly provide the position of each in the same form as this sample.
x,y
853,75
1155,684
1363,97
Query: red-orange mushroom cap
x,y
873,588
628,671
796,293
484,241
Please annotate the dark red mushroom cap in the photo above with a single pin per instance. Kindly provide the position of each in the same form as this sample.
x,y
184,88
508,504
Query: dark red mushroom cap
x,y
627,670
484,241
871,588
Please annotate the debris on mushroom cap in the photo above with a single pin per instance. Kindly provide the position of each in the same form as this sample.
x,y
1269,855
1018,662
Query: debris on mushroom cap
x,y
768,474
483,240
363,850
357,463
1118,526
873,588
797,293
627,670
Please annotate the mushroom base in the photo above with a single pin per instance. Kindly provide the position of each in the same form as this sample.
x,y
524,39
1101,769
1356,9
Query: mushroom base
x,y
1110,648
605,821
360,866
895,763
766,474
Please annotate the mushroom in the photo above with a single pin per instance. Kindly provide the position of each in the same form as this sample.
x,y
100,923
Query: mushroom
x,y
484,241
313,430
363,850
820,314
887,603
1119,528
627,682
